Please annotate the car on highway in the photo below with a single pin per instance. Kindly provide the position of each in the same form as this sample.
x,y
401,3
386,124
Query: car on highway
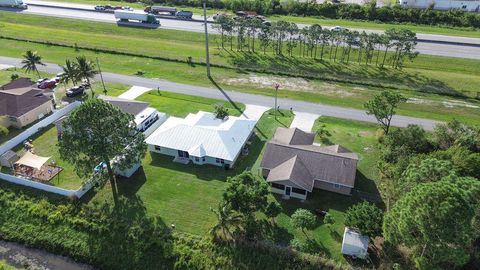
x,y
100,8
336,29
218,15
48,84
183,14
76,90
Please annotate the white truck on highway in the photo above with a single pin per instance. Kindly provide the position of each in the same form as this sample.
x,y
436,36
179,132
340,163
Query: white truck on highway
x,y
139,16
13,4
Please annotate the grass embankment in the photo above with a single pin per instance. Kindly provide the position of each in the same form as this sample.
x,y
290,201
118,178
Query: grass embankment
x,y
427,29
5,266
425,80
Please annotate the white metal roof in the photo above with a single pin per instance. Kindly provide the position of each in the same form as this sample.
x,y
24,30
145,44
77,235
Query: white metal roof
x,y
354,243
202,134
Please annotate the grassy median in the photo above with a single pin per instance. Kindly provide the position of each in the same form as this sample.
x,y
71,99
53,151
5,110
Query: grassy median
x,y
440,88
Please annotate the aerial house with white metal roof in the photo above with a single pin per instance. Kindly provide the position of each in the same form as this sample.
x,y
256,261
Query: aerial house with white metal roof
x,y
202,138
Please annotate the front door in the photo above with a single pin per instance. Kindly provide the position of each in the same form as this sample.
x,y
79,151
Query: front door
x,y
287,191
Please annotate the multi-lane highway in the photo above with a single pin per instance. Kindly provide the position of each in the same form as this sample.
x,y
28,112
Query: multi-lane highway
x,y
427,43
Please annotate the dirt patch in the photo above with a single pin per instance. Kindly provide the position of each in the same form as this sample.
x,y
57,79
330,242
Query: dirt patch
x,y
293,84
456,103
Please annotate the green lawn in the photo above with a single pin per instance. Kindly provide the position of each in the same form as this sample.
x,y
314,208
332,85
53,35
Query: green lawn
x,y
181,105
183,194
45,144
426,80
360,138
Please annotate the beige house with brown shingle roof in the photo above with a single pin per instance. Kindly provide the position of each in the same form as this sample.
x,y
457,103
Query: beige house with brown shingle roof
x,y
294,166
21,103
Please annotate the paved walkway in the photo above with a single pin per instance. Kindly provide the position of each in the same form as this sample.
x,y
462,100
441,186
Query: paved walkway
x,y
134,92
304,121
254,112
210,92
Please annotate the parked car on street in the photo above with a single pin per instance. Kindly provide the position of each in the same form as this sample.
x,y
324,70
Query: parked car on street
x,y
47,84
76,90
39,81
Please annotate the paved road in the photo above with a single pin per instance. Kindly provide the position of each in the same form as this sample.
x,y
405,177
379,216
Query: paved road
x,y
300,106
438,45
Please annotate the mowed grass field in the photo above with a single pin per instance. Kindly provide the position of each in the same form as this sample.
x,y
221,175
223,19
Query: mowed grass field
x,y
425,81
427,29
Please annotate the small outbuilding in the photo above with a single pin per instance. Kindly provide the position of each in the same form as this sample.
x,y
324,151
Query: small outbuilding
x,y
354,244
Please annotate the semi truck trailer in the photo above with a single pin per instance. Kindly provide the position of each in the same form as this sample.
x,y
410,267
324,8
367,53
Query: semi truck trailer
x,y
125,16
159,9
13,4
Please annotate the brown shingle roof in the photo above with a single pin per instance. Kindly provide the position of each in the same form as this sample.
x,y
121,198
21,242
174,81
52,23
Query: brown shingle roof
x,y
18,101
293,136
333,164
294,171
131,106
18,83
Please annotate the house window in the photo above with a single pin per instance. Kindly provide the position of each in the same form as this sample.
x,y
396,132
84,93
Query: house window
x,y
336,186
299,191
219,160
278,186
203,159
157,148
197,159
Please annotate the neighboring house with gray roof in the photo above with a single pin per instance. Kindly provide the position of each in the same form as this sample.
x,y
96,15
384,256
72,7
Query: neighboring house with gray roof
x,y
294,166
21,103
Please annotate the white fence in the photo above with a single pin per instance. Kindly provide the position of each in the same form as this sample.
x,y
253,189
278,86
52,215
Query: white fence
x,y
27,134
48,188
34,129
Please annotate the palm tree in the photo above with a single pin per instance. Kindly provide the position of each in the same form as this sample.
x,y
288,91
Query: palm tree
x,y
226,220
86,70
31,60
70,71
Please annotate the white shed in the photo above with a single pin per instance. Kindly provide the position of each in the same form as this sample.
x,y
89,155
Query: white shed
x,y
354,244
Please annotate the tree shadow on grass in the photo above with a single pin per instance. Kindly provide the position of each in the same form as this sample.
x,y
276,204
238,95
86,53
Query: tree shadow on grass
x,y
127,238
349,73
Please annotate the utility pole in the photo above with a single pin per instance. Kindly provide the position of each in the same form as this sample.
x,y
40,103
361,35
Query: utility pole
x,y
276,94
206,37
101,77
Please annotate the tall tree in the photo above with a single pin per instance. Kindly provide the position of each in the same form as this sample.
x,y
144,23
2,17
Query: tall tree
x,y
99,133
86,70
70,71
227,220
365,217
383,106
224,25
303,219
265,38
30,62
435,220
272,210
246,193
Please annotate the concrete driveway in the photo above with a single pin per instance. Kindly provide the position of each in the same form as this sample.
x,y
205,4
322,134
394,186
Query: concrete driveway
x,y
254,112
304,121
134,92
